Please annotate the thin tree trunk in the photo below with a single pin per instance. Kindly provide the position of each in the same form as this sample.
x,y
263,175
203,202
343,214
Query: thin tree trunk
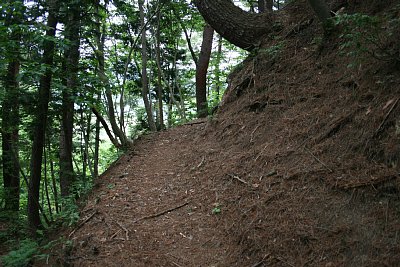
x,y
218,67
160,116
181,104
201,72
53,178
110,103
187,37
41,121
96,147
46,185
106,128
83,144
87,144
170,110
99,53
145,86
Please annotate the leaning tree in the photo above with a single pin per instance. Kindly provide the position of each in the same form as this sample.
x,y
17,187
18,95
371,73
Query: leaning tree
x,y
245,29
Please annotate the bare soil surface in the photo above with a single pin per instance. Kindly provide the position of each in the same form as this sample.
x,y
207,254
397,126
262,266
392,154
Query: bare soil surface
x,y
299,167
154,208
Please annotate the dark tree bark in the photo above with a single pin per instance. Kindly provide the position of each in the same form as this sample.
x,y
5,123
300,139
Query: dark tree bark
x,y
245,29
72,28
265,5
261,6
201,72
10,122
41,120
10,112
239,27
322,11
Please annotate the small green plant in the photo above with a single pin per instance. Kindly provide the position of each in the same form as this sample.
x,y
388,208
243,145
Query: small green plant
x,y
317,40
70,211
216,209
21,256
366,35
110,186
273,51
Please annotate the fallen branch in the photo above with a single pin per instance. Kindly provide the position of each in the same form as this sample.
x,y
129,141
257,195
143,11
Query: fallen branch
x,y
367,182
82,223
195,122
161,213
335,126
386,117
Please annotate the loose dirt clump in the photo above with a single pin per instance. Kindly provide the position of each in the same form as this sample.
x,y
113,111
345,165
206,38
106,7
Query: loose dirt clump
x,y
299,167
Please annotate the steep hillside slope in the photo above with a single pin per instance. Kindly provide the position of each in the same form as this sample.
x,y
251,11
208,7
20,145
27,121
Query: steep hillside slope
x,y
298,167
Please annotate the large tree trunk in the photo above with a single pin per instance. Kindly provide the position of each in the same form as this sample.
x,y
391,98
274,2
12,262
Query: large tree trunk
x,y
201,72
10,123
239,27
10,114
41,121
145,85
245,29
72,27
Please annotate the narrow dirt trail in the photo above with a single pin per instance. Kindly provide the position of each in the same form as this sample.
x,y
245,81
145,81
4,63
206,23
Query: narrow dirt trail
x,y
151,209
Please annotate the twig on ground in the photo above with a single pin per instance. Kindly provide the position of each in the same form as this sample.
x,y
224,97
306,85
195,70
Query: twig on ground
x,y
201,163
176,264
326,166
126,230
115,234
262,151
252,134
237,178
161,213
260,263
386,117
82,223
